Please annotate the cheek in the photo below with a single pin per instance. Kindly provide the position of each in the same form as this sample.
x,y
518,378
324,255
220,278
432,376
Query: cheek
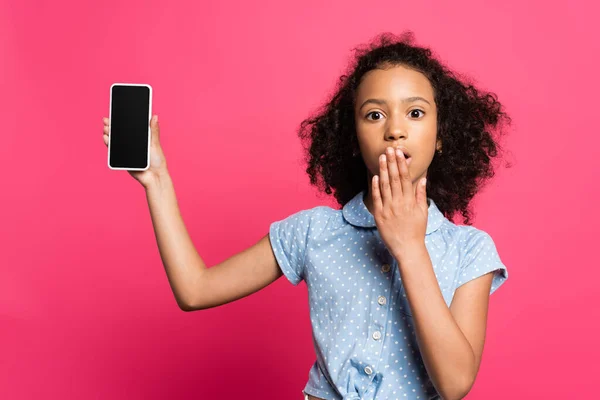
x,y
420,163
424,162
372,166
369,154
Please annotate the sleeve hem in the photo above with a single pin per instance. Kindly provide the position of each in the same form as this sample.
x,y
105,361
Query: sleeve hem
x,y
283,263
500,276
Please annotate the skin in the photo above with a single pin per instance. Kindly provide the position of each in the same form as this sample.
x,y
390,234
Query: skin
x,y
411,124
450,339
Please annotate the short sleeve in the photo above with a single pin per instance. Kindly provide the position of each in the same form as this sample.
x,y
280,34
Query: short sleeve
x,y
481,257
289,239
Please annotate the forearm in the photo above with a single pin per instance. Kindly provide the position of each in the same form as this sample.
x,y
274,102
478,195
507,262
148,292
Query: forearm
x,y
180,259
447,354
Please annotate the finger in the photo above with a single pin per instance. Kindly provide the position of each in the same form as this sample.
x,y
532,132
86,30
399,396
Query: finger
x,y
422,194
106,132
405,180
394,174
376,195
105,137
106,121
384,181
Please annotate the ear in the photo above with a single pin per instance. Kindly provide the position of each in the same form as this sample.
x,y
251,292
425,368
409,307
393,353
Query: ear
x,y
438,145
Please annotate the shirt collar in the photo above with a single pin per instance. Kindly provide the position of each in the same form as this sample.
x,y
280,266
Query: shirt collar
x,y
356,213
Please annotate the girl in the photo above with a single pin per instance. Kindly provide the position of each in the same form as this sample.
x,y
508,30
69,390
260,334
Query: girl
x,y
398,293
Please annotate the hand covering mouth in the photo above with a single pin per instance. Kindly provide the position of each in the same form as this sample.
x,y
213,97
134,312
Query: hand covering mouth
x,y
405,152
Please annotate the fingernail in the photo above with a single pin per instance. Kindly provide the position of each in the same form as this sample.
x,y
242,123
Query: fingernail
x,y
423,181
156,118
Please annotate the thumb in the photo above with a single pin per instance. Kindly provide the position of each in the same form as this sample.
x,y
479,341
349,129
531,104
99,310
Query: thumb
x,y
422,194
155,128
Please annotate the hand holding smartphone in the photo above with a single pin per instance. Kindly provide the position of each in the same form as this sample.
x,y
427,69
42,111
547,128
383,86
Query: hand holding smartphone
x,y
131,135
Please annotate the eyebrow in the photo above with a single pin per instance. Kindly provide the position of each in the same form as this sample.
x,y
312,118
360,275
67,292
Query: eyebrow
x,y
406,100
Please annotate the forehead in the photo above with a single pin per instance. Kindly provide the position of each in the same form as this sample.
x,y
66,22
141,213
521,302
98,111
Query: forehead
x,y
394,82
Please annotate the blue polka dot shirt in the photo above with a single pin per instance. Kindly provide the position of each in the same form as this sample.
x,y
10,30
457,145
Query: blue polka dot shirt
x,y
362,325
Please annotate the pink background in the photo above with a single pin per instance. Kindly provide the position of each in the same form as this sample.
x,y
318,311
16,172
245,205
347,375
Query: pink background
x,y
232,81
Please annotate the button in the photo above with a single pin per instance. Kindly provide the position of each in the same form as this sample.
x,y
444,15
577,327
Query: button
x,y
376,335
386,268
368,370
381,300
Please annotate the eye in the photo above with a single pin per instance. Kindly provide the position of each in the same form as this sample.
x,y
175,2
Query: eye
x,y
374,112
416,109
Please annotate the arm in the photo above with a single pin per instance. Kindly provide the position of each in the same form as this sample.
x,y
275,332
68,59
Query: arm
x,y
450,339
237,277
195,286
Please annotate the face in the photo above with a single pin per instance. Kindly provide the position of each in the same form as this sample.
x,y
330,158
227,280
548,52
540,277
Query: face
x,y
389,114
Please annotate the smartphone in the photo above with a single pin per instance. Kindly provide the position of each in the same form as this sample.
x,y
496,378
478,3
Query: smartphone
x,y
129,126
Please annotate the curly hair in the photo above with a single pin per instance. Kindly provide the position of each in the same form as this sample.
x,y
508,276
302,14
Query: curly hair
x,y
466,116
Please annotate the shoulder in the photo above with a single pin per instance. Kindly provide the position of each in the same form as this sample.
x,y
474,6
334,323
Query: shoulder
x,y
310,221
479,256
466,237
472,238
291,237
315,215
470,243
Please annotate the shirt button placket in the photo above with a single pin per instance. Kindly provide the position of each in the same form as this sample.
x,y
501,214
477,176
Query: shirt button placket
x,y
377,335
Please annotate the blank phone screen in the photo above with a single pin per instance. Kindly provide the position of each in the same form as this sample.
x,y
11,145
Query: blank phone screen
x,y
129,124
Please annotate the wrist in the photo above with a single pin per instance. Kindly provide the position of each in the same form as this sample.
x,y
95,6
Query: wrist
x,y
157,180
410,251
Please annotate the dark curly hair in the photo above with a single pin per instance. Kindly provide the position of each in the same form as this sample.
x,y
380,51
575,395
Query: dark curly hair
x,y
465,118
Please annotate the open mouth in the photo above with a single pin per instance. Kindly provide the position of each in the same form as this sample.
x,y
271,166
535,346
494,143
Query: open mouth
x,y
406,154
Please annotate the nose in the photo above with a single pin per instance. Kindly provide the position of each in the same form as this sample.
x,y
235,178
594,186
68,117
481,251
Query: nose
x,y
396,135
395,130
